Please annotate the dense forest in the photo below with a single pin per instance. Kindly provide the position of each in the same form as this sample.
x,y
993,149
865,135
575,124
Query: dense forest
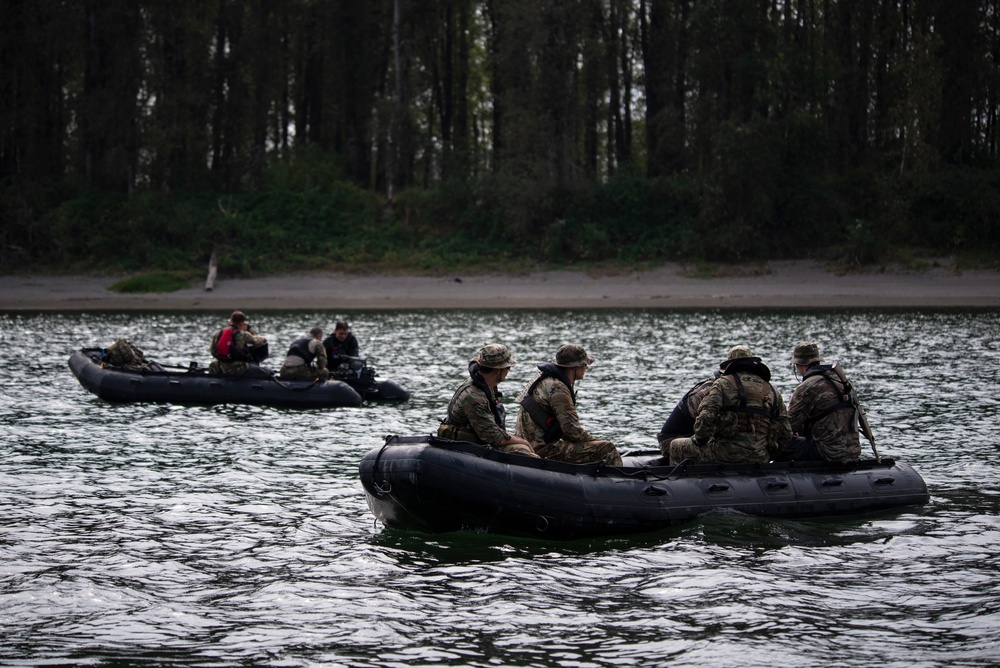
x,y
143,134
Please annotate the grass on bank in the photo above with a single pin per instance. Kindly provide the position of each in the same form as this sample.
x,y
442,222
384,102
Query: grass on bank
x,y
155,281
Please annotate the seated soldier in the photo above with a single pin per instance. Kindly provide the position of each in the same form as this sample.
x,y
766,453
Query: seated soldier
x,y
298,364
823,411
548,419
475,413
233,347
342,343
741,419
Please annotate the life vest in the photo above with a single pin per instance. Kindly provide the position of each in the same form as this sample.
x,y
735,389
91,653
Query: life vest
x,y
449,429
845,400
753,402
300,348
222,348
752,414
547,421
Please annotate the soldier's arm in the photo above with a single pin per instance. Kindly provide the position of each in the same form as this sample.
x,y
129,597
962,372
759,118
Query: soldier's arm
x,y
707,421
476,409
798,409
802,404
320,352
784,426
569,420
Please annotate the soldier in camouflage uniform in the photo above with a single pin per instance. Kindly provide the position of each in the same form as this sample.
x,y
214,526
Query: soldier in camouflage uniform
x,y
235,359
680,422
548,417
306,358
475,413
679,425
821,411
741,419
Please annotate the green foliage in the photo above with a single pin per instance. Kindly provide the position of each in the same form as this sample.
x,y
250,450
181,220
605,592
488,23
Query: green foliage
x,y
307,169
154,281
956,209
739,205
728,131
863,245
757,205
631,218
110,231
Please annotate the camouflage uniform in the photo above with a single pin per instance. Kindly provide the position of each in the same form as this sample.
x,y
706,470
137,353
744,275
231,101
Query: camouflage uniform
x,y
727,430
470,417
296,368
556,399
820,409
242,341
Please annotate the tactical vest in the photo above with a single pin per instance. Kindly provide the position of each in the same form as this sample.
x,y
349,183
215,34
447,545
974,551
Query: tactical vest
x,y
448,428
545,420
752,413
844,399
300,348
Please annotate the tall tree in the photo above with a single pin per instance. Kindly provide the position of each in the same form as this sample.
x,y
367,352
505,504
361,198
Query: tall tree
x,y
109,102
962,49
664,30
177,99
557,90
39,52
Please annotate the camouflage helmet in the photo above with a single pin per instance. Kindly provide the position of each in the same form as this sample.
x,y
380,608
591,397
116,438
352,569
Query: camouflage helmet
x,y
571,355
806,353
736,353
494,356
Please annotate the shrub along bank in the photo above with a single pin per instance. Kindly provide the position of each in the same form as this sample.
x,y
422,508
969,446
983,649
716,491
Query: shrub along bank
x,y
498,222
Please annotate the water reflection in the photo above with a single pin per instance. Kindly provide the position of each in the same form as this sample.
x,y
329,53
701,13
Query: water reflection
x,y
237,535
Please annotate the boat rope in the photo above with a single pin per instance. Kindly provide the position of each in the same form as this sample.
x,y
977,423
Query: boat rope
x,y
296,389
648,474
386,486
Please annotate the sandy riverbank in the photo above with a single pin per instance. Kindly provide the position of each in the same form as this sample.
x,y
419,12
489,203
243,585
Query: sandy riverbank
x,y
790,284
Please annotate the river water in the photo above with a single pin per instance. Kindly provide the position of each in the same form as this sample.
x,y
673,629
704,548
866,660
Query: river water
x,y
236,535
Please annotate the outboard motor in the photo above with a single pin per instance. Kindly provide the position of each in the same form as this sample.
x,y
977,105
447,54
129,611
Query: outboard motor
x,y
258,353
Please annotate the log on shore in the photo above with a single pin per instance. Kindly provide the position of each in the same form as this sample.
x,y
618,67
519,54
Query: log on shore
x,y
213,268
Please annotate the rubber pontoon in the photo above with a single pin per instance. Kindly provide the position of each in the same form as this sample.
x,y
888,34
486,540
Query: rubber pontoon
x,y
355,372
197,386
435,485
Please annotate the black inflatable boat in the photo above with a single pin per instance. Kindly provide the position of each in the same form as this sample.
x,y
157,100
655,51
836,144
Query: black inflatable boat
x,y
196,386
432,484
355,372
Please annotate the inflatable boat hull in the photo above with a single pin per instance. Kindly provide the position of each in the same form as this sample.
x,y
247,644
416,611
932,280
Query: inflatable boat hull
x,y
198,387
435,485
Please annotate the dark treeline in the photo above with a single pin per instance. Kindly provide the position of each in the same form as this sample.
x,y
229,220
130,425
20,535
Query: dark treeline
x,y
148,132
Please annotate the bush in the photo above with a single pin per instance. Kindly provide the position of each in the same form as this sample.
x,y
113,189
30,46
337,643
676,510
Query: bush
x,y
955,209
156,281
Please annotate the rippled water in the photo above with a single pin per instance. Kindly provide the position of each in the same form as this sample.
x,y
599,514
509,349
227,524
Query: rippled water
x,y
237,535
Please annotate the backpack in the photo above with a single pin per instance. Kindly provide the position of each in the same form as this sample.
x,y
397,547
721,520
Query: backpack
x,y
123,353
